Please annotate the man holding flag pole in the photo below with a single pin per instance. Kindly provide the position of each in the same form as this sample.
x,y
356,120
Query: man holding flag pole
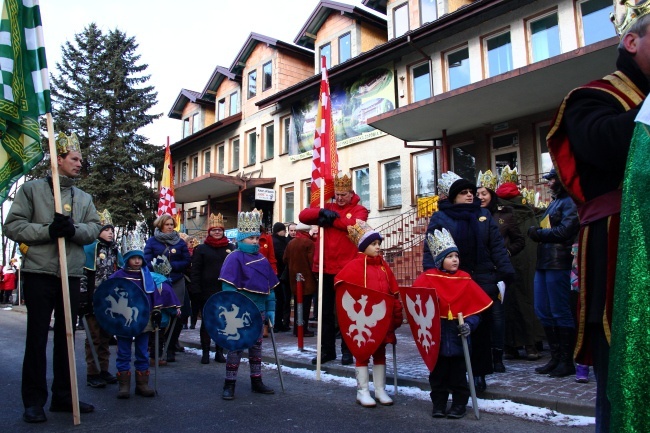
x,y
333,218
45,213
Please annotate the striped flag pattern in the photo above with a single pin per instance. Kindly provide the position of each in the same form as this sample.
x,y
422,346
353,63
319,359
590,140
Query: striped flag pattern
x,y
167,203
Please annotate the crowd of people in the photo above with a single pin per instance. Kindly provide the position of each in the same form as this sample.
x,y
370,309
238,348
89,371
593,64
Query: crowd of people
x,y
491,257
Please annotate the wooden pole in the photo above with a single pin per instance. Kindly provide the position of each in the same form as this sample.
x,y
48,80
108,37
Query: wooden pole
x,y
63,262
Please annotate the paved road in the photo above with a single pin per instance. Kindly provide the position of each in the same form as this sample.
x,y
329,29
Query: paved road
x,y
189,401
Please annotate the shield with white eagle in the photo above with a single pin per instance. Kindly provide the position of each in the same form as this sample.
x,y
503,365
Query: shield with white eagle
x,y
121,307
364,318
232,320
421,306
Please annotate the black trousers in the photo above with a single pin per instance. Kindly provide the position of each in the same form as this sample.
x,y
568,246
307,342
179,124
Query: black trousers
x,y
449,375
43,295
328,340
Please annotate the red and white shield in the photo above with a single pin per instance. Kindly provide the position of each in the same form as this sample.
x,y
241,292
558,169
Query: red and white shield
x,y
364,318
421,305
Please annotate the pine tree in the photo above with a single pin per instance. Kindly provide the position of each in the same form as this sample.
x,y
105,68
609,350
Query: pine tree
x,y
101,93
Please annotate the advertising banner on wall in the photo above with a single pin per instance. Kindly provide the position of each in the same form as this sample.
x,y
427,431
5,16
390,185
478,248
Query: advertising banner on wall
x,y
353,102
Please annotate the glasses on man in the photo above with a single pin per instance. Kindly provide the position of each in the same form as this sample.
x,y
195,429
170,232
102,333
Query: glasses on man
x,y
466,191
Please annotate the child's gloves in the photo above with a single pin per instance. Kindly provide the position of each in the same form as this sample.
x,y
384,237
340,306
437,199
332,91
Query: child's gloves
x,y
464,330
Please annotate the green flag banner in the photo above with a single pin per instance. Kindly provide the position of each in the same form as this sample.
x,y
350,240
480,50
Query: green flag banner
x,y
24,90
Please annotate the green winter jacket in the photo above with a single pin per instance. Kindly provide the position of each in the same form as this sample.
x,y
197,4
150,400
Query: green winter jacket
x,y
30,216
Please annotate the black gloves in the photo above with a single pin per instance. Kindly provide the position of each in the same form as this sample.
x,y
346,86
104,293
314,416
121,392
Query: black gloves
x,y
533,233
61,227
464,330
326,217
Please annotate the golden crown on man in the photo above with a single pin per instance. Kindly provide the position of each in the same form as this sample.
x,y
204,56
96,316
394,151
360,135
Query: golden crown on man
x,y
342,183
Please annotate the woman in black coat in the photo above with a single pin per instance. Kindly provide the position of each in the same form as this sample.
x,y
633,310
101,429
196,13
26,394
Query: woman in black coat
x,y
482,255
514,241
206,267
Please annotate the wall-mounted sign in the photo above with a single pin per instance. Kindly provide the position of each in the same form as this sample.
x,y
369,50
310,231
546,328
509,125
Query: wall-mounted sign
x,y
264,194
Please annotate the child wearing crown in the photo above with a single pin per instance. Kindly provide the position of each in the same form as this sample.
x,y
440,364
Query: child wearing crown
x,y
161,296
457,293
370,271
248,272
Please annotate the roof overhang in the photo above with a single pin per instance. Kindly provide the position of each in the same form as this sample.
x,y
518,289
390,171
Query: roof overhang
x,y
532,89
215,185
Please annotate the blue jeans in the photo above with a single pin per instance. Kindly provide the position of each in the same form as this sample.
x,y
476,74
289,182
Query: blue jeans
x,y
141,363
553,297
498,325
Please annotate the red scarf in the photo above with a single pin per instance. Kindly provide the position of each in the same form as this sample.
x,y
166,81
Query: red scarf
x,y
216,243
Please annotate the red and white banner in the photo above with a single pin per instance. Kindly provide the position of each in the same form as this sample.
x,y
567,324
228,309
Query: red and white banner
x,y
325,162
167,203
422,312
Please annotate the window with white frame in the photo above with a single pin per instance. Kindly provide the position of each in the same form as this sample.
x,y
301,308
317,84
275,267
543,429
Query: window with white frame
x,y
183,171
234,104
251,138
195,166
306,193
207,161
186,127
269,140
392,183
498,54
196,123
421,82
221,158
234,154
400,19
424,174
345,47
267,76
428,11
596,25
457,68
361,178
325,51
288,205
252,84
544,34
286,134
221,109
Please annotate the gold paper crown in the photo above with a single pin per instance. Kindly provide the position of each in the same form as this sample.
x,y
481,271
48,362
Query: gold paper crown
x,y
216,221
342,183
105,218
439,242
248,224
528,195
508,175
486,180
357,232
445,182
626,13
65,143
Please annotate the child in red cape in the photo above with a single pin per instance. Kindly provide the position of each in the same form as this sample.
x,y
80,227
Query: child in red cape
x,y
457,293
369,270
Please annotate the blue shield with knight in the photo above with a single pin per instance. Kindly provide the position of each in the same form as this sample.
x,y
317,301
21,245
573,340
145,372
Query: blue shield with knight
x,y
121,307
232,320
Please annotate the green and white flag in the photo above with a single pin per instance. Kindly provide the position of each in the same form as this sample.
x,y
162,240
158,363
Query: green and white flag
x,y
24,90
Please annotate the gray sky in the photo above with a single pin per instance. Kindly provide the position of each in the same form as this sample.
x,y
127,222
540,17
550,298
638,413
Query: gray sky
x,y
182,42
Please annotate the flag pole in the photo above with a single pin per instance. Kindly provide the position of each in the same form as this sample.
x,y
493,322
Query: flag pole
x,y
63,262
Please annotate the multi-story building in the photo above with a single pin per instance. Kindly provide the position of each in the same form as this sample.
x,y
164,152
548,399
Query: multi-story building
x,y
418,87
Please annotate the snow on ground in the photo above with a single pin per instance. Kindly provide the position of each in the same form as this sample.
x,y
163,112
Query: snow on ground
x,y
504,407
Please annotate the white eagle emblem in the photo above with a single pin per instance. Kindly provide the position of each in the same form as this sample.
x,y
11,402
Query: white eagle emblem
x,y
361,323
423,317
233,323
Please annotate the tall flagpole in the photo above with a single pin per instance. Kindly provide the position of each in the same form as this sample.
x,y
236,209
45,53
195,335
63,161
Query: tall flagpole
x,y
63,263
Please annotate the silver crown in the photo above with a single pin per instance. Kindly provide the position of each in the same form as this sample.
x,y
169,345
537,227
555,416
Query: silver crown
x,y
160,265
134,240
439,242
445,182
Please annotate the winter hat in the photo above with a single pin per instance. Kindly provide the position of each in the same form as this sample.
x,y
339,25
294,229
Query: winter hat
x,y
441,244
363,235
248,224
458,186
278,227
301,227
551,174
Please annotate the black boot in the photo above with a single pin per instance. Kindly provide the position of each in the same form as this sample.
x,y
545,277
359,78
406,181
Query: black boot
x,y
205,358
497,361
553,342
258,386
565,366
228,390
218,355
439,406
480,384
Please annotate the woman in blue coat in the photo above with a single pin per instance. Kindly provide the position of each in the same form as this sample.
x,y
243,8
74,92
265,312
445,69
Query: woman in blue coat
x,y
171,257
483,253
